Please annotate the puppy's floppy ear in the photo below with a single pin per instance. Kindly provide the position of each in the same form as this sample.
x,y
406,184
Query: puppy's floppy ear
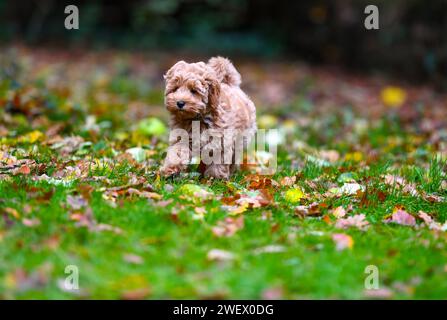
x,y
213,93
176,67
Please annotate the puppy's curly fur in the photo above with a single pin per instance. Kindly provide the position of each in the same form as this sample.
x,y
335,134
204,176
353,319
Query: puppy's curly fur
x,y
208,92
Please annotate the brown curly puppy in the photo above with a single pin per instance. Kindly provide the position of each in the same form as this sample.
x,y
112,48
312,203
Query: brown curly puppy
x,y
209,94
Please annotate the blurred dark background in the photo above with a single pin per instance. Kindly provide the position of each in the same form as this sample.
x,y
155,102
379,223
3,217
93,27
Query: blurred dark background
x,y
411,42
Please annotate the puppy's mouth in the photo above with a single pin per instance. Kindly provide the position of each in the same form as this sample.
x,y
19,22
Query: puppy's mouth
x,y
186,111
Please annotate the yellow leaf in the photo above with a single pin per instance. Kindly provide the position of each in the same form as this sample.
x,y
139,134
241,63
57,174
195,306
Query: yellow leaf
x,y
31,137
393,96
240,209
13,212
267,121
339,212
294,195
356,156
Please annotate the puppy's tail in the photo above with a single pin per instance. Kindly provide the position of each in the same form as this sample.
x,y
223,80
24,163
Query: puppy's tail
x,y
225,71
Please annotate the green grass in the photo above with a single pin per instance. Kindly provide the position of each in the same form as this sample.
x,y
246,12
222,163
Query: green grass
x,y
174,252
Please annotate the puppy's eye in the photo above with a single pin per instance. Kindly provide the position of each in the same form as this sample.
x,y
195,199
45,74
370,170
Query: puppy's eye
x,y
193,91
172,90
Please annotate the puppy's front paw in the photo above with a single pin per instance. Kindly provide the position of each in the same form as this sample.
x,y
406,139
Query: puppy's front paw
x,y
217,171
168,171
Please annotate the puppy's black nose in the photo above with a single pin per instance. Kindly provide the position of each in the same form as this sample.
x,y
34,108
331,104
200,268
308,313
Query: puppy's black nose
x,y
180,104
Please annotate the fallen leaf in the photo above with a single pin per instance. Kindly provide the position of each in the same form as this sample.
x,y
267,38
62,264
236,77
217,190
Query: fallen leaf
x,y
329,155
199,213
393,96
342,241
382,293
431,223
357,221
294,195
228,227
136,294
347,189
396,181
255,198
31,137
23,170
274,293
12,212
356,156
195,192
339,212
152,127
288,181
138,154
31,222
76,202
402,217
235,210
270,249
267,121
133,258
219,255
313,209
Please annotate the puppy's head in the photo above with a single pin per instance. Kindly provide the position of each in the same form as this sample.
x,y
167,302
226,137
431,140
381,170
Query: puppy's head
x,y
192,90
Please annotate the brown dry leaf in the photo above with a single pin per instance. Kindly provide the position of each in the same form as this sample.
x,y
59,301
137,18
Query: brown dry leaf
x,y
133,258
342,241
433,198
25,170
136,294
288,181
393,180
256,198
105,227
228,227
358,221
339,212
256,182
313,209
12,212
327,219
163,203
199,212
219,255
431,223
400,216
144,194
273,293
86,219
382,293
52,242
22,280
76,202
67,145
329,155
31,222
235,210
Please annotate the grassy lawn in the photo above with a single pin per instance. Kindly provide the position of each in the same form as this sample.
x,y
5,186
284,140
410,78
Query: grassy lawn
x,y
70,194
